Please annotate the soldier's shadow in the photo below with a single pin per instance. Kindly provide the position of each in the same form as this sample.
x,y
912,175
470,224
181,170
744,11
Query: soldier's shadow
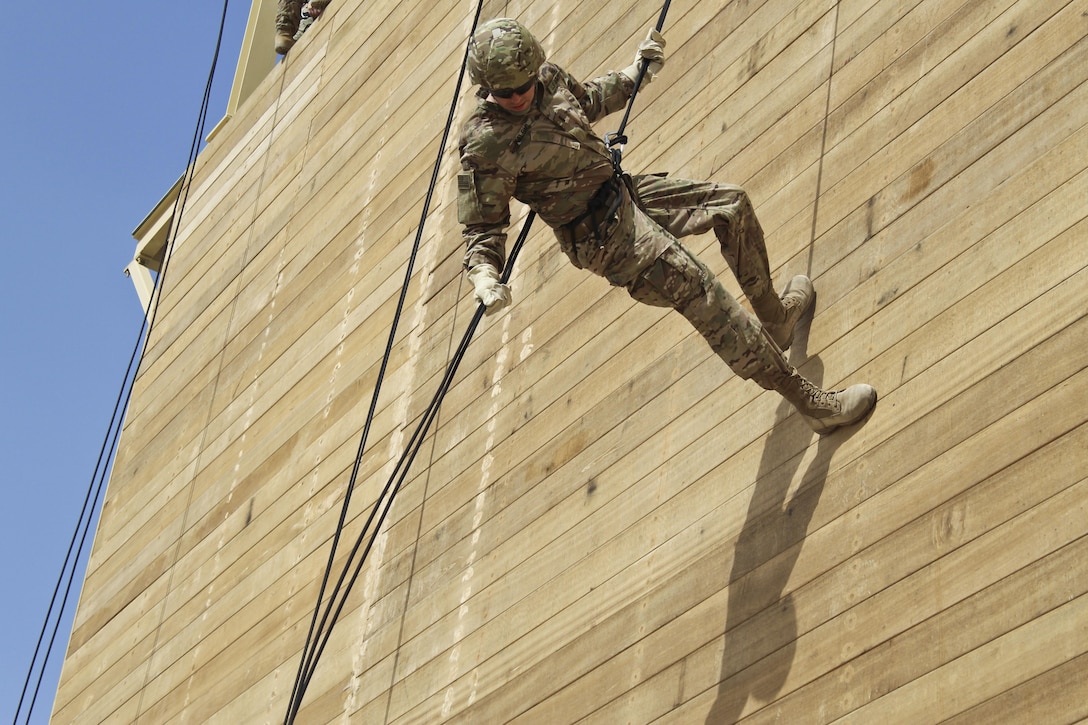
x,y
761,625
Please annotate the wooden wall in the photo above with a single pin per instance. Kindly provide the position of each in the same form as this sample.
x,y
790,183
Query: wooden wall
x,y
605,525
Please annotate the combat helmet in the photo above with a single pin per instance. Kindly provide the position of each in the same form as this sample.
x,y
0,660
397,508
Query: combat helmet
x,y
503,54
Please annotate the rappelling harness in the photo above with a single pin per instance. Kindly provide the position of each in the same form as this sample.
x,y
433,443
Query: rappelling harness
x,y
594,223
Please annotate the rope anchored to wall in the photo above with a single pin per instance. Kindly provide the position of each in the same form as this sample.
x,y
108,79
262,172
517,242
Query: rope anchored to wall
x,y
319,632
325,617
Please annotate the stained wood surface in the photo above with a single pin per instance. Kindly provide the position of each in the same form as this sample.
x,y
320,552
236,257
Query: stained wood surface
x,y
604,524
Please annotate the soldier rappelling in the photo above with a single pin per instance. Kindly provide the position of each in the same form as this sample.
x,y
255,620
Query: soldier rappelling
x,y
530,138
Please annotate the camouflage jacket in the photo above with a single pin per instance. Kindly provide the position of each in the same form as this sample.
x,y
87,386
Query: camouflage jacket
x,y
549,158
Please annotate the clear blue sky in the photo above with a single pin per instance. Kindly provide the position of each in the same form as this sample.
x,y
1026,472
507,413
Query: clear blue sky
x,y
100,105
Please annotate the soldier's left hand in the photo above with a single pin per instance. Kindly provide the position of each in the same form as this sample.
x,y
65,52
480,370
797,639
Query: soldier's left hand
x,y
652,50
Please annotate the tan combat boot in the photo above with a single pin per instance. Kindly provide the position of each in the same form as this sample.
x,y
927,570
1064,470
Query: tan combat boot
x,y
780,315
823,410
284,43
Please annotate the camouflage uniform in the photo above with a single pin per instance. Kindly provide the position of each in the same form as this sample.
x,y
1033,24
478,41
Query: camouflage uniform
x,y
551,159
530,138
289,16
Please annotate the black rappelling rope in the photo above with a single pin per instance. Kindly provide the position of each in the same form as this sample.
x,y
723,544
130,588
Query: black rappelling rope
x,y
616,139
319,634
312,648
109,442
396,479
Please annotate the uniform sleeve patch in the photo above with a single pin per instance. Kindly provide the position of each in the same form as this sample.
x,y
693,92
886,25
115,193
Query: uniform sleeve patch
x,y
469,210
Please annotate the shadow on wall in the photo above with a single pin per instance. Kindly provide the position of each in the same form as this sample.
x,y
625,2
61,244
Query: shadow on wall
x,y
761,625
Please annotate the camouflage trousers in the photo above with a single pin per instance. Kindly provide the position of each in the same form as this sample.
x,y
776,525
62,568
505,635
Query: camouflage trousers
x,y
678,279
289,15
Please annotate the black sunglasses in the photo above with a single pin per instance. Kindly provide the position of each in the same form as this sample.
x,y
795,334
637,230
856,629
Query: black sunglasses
x,y
511,92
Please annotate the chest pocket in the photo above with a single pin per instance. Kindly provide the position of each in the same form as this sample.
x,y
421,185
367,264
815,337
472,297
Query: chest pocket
x,y
551,154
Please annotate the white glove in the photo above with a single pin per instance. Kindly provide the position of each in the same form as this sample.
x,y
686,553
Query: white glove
x,y
652,50
491,293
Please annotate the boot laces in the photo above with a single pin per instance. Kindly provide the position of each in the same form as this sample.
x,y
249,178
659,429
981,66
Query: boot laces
x,y
820,399
792,300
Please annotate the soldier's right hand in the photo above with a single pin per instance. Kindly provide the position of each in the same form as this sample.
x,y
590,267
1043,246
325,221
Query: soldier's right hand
x,y
489,291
